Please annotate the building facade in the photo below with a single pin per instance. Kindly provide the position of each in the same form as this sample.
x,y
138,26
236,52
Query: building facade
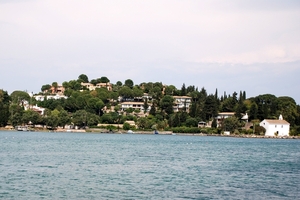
x,y
276,127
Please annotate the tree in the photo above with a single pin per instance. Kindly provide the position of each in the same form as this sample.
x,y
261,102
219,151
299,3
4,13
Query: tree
x,y
94,81
183,90
52,120
126,92
170,90
19,97
191,122
240,108
92,119
166,104
79,118
230,124
4,107
70,104
126,126
95,105
253,111
146,105
152,110
142,122
214,123
83,78
267,106
228,104
129,83
210,107
31,117
156,92
137,92
64,118
119,83
190,89
104,79
46,87
288,108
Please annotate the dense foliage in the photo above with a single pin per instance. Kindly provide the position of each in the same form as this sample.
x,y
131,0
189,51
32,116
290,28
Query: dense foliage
x,y
84,107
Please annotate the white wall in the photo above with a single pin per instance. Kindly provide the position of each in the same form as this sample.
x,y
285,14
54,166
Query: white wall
x,y
271,129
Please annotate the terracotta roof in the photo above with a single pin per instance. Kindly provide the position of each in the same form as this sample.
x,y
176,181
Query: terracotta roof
x,y
276,121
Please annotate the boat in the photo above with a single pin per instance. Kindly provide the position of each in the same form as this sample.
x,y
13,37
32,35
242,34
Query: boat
x,y
155,132
130,132
22,128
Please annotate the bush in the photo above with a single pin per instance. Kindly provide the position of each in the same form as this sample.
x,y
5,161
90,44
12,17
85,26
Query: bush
x,y
259,130
126,126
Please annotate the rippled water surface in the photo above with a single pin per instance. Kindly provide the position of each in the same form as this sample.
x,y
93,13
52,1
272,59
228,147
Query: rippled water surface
x,y
40,165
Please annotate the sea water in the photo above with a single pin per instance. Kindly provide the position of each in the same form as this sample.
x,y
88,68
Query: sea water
x,y
42,165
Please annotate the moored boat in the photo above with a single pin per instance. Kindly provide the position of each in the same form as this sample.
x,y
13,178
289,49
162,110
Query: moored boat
x,y
22,128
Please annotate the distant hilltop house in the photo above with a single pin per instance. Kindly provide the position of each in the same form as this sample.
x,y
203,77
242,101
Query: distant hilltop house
x,y
276,127
57,90
91,86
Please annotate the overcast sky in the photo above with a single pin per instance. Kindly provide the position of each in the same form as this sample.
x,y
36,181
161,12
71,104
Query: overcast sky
x,y
233,45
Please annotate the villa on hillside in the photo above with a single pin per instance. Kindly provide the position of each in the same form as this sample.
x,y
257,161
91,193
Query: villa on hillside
x,y
181,102
35,108
58,90
134,105
276,127
90,86
44,97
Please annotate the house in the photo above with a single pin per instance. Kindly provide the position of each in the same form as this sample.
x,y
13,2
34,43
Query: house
x,y
91,87
201,124
108,86
181,103
35,108
43,97
134,105
223,115
277,127
57,90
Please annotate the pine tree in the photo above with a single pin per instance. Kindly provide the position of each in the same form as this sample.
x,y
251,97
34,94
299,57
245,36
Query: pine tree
x,y
183,90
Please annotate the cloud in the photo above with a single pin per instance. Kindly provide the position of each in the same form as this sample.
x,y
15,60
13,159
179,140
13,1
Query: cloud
x,y
171,41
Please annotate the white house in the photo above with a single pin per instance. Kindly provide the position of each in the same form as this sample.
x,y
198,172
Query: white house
x,y
34,108
43,97
181,102
134,105
223,115
277,127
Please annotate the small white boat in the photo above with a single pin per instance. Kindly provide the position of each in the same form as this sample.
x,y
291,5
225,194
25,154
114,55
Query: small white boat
x,y
130,132
22,128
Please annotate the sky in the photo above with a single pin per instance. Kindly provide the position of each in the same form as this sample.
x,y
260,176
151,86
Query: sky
x,y
234,45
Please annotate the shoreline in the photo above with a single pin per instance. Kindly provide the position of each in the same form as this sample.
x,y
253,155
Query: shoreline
x,y
105,131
